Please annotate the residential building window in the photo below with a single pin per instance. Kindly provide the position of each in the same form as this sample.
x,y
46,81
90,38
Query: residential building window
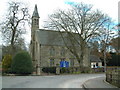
x,y
51,62
52,51
96,64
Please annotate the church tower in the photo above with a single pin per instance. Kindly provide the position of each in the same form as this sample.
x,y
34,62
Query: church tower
x,y
34,27
35,19
35,22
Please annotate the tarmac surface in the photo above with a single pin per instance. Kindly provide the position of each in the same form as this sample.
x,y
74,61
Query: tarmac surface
x,y
99,83
81,81
55,81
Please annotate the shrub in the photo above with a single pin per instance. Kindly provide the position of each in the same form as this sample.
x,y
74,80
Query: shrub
x,y
22,63
6,63
49,69
85,70
65,70
114,60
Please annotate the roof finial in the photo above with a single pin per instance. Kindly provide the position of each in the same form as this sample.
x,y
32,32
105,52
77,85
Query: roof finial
x,y
35,13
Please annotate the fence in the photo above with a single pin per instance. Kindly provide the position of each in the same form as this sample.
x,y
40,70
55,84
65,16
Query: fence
x,y
113,75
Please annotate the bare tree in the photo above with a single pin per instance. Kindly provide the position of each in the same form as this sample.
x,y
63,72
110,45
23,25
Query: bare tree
x,y
81,24
14,24
94,46
105,39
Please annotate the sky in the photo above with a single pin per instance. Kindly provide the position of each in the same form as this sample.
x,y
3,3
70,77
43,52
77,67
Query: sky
x,y
46,7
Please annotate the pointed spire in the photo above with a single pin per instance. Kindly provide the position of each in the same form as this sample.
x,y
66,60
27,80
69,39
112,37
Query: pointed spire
x,y
35,13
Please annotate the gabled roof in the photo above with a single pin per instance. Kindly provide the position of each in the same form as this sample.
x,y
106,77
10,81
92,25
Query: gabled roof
x,y
94,58
35,13
50,37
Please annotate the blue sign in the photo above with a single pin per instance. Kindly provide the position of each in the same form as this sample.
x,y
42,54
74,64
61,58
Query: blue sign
x,y
64,64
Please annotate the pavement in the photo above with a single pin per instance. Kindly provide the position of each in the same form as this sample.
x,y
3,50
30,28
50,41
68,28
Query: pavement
x,y
98,83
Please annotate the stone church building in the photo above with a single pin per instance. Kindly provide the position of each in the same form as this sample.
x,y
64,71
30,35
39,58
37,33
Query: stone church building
x,y
47,47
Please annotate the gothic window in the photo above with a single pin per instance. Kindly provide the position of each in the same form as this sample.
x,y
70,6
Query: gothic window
x,y
51,62
63,59
52,51
35,21
62,51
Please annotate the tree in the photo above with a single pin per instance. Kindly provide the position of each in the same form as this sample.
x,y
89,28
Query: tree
x,y
6,62
81,24
105,38
94,46
6,49
13,25
114,60
22,63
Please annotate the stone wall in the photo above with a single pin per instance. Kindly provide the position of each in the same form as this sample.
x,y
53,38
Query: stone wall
x,y
45,55
113,75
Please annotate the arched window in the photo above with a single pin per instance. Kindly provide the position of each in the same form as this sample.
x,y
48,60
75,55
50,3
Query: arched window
x,y
36,21
62,51
51,62
52,51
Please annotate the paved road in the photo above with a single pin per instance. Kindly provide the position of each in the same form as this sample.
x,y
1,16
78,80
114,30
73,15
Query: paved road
x,y
99,83
57,81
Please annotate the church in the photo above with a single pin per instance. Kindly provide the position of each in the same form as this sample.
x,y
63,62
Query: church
x,y
47,48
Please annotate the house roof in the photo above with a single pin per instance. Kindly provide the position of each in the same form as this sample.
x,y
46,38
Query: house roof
x,y
94,58
50,37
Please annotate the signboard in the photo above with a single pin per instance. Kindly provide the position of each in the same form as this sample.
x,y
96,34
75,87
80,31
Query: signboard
x,y
64,64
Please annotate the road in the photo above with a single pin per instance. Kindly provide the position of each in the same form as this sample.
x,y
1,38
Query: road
x,y
99,83
56,81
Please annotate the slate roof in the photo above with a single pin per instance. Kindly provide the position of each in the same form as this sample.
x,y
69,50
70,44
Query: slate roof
x,y
35,13
94,58
50,37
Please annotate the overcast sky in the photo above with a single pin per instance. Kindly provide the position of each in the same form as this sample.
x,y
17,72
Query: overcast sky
x,y
46,7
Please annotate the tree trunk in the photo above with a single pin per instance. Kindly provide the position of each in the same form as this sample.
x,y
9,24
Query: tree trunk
x,y
104,60
12,41
82,54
